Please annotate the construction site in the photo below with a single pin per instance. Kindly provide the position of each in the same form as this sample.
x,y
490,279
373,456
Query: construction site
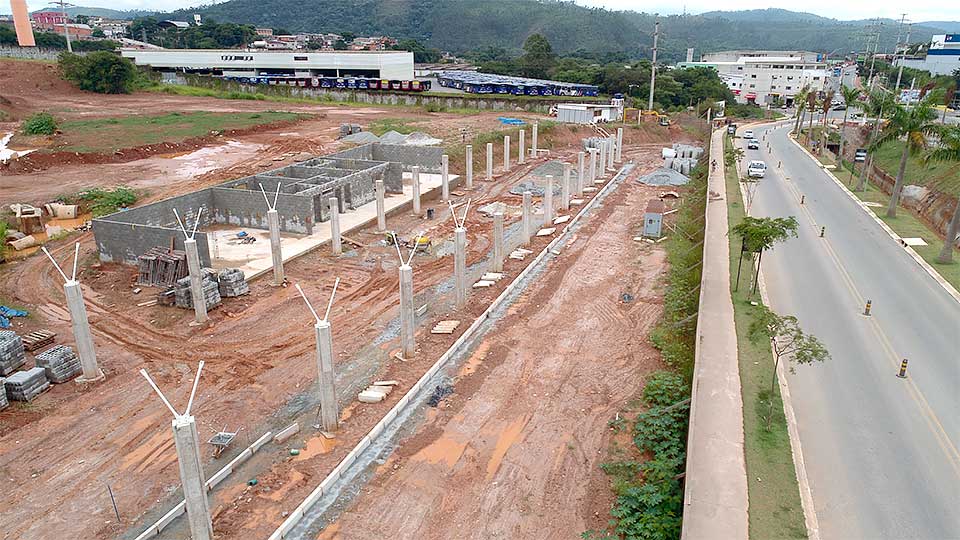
x,y
353,336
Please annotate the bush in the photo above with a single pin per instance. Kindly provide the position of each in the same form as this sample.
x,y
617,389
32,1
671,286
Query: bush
x,y
41,123
103,202
102,72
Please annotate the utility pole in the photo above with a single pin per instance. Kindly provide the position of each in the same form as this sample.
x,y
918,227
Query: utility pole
x,y
903,58
66,29
653,66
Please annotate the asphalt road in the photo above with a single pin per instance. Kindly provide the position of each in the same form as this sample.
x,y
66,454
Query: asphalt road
x,y
880,451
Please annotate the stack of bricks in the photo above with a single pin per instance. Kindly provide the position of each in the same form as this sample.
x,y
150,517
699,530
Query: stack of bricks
x,y
11,352
211,291
26,385
232,283
59,363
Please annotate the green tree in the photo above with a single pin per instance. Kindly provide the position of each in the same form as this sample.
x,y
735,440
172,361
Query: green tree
x,y
348,37
760,234
788,342
98,33
538,57
912,124
800,102
421,54
339,45
850,96
948,149
82,19
101,72
878,105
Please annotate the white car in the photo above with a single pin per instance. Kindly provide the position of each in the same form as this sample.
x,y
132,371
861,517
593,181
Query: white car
x,y
756,169
748,134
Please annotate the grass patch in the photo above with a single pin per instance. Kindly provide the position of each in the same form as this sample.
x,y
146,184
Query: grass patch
x,y
775,509
945,175
110,134
906,224
400,125
102,202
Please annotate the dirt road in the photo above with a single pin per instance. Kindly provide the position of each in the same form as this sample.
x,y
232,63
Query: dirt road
x,y
514,453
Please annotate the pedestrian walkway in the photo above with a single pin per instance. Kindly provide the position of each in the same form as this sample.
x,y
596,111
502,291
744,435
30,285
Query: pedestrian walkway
x,y
715,499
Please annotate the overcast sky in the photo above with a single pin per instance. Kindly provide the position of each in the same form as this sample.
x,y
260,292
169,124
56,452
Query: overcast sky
x,y
925,10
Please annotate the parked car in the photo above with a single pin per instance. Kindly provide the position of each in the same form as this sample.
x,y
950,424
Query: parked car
x,y
756,169
748,134
840,107
732,129
753,144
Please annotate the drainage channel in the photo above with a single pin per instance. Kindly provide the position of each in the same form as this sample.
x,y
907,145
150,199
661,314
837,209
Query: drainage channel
x,y
346,480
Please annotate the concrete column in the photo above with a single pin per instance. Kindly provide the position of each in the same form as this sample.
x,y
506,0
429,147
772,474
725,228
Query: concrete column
x,y
521,158
407,325
187,443
498,241
548,201
445,177
506,153
469,166
602,161
460,264
329,412
580,173
381,213
489,161
81,331
611,143
565,188
619,145
196,281
273,223
527,221
416,190
533,140
336,243
593,166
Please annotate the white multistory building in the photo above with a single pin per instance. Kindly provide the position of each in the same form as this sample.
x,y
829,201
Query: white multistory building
x,y
767,77
942,58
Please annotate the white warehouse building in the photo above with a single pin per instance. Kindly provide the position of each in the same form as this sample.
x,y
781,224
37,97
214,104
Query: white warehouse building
x,y
764,77
943,56
393,65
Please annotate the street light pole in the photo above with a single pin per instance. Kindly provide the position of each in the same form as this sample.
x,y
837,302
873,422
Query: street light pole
x,y
653,66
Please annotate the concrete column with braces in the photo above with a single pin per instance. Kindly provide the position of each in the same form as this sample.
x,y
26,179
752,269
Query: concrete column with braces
x,y
336,243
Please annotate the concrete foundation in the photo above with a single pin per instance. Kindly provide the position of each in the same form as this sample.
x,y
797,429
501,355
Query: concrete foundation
x,y
498,240
565,188
329,411
469,158
593,167
381,211
580,173
187,443
527,217
407,321
506,153
81,331
336,243
533,140
416,190
196,281
489,162
548,200
445,178
521,158
460,264
276,254
619,145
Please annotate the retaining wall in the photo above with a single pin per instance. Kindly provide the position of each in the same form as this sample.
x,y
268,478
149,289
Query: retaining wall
x,y
31,53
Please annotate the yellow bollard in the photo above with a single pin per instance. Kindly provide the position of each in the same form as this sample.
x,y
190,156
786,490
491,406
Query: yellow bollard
x,y
822,230
866,309
903,369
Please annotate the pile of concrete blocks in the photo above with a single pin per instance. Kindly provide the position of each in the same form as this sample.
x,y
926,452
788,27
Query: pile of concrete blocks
x,y
232,283
376,392
11,352
3,395
211,291
59,363
688,151
26,385
349,129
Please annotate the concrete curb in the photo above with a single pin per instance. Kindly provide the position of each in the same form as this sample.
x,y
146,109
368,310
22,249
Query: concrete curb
x,y
910,251
296,515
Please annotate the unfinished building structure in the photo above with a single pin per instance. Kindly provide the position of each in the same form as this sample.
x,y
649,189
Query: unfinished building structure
x,y
304,190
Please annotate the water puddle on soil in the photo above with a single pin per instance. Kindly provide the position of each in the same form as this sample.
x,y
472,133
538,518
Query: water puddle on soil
x,y
473,363
316,446
443,450
507,437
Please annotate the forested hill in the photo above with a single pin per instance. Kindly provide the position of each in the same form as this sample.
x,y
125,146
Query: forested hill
x,y
462,25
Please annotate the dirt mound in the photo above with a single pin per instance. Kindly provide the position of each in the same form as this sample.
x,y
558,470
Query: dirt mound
x,y
21,82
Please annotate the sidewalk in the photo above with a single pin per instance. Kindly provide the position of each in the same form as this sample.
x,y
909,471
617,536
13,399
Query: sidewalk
x,y
715,499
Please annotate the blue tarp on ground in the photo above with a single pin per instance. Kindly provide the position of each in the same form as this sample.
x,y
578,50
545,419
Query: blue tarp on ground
x,y
6,312
511,121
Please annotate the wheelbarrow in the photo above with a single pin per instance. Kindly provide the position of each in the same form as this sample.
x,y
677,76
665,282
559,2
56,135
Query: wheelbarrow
x,y
221,441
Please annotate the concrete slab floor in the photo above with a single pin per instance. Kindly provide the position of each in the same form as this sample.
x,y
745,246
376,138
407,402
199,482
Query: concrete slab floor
x,y
254,259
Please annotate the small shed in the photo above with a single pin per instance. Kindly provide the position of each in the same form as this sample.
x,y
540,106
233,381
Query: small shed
x,y
586,113
653,218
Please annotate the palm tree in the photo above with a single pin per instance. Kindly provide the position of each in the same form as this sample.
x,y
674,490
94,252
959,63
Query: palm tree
x,y
850,95
800,101
948,150
812,105
877,104
825,109
947,100
913,125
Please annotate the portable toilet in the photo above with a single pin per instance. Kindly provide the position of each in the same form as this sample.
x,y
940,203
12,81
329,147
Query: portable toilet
x,y
653,218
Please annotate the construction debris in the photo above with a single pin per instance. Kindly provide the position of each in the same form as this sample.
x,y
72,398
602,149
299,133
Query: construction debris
x,y
26,385
483,283
519,254
664,177
11,352
440,392
445,327
161,267
547,231
232,283
561,219
60,364
492,276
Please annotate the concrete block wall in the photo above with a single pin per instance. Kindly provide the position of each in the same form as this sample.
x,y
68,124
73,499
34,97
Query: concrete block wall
x,y
248,209
124,242
427,157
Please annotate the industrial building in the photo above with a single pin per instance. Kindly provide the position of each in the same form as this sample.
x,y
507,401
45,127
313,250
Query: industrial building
x,y
943,56
486,83
304,189
767,77
388,65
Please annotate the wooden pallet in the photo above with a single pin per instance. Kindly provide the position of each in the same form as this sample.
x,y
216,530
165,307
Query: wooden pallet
x,y
445,327
37,340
